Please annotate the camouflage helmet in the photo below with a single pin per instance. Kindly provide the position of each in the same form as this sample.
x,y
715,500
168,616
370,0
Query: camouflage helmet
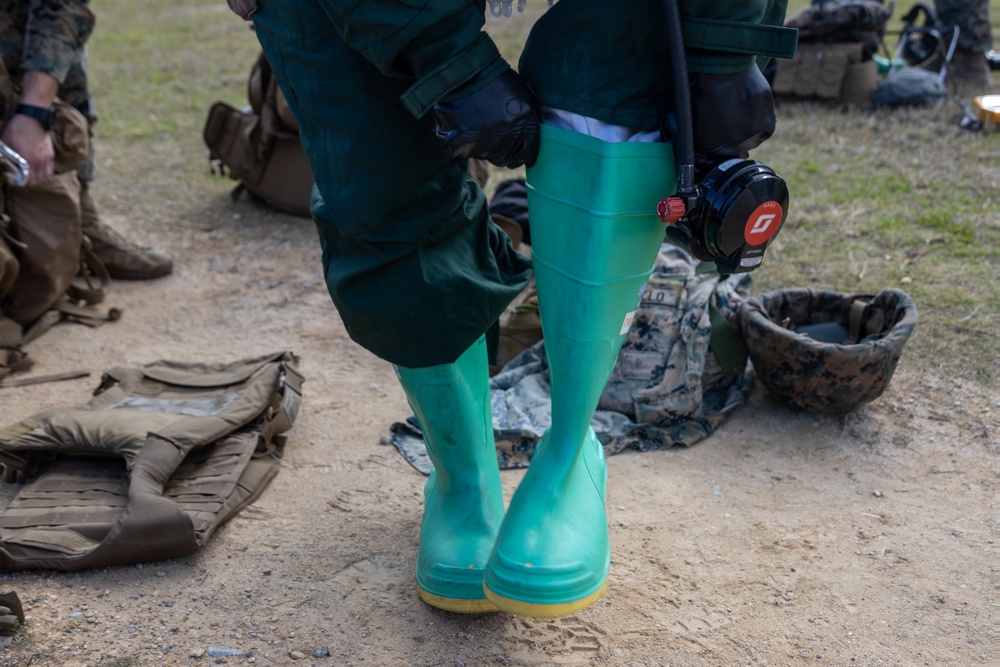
x,y
824,350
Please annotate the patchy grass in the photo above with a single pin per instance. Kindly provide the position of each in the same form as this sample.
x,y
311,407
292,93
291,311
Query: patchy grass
x,y
903,199
125,661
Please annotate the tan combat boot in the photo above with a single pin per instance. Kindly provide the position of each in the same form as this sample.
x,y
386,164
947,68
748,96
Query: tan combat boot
x,y
968,73
123,259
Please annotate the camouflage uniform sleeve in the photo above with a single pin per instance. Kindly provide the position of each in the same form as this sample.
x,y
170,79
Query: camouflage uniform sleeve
x,y
54,35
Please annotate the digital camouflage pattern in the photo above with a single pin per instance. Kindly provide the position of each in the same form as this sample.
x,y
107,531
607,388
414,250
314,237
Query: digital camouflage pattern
x,y
44,35
850,21
50,36
666,366
667,388
74,89
973,20
826,376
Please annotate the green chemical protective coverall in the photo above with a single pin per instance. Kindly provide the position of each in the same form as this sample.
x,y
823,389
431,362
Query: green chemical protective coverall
x,y
419,272
413,264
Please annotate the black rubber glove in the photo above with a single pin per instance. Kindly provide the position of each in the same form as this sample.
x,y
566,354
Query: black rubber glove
x,y
732,114
498,123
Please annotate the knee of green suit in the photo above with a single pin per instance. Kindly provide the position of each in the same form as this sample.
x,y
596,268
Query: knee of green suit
x,y
411,260
422,304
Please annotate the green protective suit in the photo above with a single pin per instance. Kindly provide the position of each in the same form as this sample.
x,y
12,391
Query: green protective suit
x,y
412,261
612,62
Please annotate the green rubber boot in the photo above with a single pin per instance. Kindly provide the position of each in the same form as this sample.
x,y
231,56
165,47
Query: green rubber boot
x,y
463,496
595,237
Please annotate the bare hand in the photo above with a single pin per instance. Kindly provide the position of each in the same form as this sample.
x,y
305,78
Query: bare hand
x,y
29,139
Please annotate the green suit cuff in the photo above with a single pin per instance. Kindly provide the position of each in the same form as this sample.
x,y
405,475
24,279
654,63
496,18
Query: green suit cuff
x,y
481,61
719,46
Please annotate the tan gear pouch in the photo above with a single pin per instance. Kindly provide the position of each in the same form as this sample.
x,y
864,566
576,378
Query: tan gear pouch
x,y
9,266
46,225
817,71
70,137
227,134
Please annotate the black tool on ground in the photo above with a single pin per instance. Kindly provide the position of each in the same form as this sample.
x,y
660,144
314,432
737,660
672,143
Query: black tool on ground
x,y
920,40
732,215
968,120
926,48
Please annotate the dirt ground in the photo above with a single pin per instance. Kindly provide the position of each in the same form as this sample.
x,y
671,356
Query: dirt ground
x,y
786,538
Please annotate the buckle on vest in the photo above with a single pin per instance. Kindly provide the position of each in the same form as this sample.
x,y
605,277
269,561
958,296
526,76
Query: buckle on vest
x,y
14,467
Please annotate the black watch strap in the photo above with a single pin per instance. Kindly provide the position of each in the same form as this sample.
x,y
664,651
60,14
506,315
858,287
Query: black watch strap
x,y
47,117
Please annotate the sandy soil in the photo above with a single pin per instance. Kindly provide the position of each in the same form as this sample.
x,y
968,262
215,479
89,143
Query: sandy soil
x,y
784,539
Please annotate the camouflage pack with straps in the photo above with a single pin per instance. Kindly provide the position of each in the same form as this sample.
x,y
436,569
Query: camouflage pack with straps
x,y
259,146
146,470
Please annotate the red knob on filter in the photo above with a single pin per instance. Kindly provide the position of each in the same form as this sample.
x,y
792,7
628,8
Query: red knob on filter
x,y
670,209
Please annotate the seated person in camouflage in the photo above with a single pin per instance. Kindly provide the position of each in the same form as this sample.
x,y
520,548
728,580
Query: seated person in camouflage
x,y
42,46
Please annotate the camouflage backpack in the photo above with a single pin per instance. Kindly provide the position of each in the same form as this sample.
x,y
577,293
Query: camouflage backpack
x,y
843,21
259,146
834,62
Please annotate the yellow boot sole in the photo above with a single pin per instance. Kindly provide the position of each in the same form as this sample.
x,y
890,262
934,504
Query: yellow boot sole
x,y
457,605
535,610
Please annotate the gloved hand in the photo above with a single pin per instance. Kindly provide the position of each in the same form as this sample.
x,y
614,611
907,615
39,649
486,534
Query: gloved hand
x,y
731,113
498,123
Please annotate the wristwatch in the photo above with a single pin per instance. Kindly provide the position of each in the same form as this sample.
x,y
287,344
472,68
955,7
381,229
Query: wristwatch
x,y
47,117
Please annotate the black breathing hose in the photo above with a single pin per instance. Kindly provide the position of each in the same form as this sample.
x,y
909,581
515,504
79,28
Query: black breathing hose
x,y
684,141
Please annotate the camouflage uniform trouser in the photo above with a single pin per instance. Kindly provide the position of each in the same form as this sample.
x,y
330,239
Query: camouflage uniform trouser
x,y
973,20
76,93
668,387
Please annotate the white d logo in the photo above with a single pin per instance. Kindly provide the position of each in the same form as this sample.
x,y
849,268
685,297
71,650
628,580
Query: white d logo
x,y
763,223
